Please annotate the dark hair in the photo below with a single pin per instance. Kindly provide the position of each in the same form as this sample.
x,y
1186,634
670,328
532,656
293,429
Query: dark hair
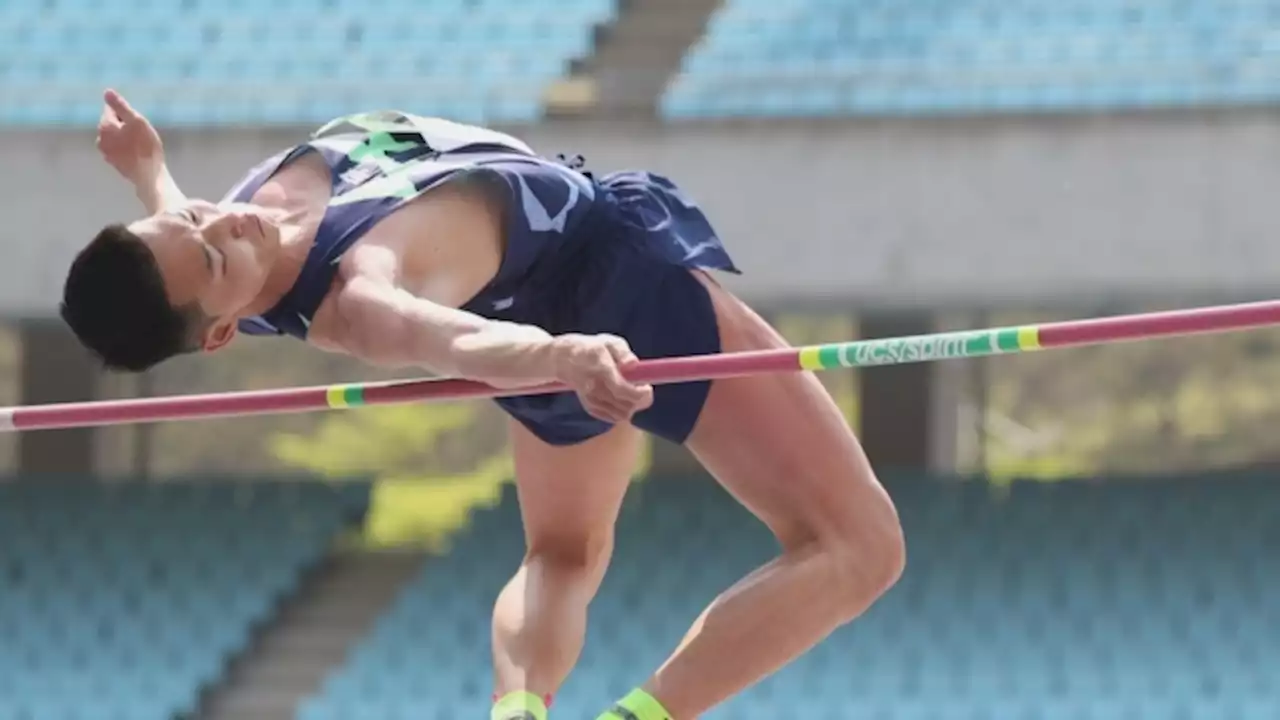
x,y
115,302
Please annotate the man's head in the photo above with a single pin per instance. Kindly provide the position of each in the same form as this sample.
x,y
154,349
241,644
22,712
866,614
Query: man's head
x,y
172,283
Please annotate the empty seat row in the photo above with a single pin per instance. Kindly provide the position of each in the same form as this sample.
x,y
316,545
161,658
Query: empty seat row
x,y
109,608
196,63
1116,631
817,58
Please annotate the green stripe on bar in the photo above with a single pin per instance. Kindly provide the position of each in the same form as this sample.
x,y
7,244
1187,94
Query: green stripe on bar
x,y
829,357
353,394
1007,339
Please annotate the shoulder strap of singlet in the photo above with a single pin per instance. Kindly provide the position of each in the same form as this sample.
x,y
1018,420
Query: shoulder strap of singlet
x,y
243,193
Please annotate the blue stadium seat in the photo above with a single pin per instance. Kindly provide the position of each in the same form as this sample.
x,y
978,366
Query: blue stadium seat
x,y
127,601
817,58
239,62
1066,601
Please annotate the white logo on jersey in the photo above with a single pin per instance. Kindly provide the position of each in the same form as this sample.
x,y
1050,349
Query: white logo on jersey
x,y
359,174
396,182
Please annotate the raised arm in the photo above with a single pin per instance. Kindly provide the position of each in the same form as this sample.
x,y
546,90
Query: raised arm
x,y
385,325
131,145
160,194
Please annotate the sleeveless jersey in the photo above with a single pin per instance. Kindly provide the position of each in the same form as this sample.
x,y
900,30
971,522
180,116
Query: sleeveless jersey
x,y
582,254
380,161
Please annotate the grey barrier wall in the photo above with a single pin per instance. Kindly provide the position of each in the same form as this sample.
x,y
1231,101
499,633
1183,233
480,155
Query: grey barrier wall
x,y
861,214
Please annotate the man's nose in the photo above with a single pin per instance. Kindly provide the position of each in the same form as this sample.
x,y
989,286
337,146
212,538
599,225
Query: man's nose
x,y
231,222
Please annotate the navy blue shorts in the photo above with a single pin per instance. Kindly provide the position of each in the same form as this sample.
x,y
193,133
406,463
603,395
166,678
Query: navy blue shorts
x,y
635,281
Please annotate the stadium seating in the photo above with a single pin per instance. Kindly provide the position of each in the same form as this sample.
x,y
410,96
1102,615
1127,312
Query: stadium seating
x,y
243,62
1130,600
883,57
126,601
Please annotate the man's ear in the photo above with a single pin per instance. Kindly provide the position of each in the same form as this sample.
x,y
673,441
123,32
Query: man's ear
x,y
218,335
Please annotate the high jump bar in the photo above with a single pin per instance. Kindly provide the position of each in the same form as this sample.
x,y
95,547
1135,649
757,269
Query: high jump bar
x,y
858,353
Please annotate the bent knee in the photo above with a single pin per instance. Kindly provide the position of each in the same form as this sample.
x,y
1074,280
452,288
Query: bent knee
x,y
573,553
877,560
859,576
866,558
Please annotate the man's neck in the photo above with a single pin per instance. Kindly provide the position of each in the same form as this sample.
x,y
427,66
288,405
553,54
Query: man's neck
x,y
297,197
295,244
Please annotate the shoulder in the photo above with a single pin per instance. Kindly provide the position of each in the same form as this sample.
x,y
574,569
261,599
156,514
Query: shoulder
x,y
248,184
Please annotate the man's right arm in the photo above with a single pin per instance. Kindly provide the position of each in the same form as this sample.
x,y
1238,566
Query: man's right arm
x,y
390,326
386,325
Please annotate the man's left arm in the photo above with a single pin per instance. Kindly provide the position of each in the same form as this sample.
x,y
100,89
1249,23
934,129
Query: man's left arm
x,y
161,193
130,144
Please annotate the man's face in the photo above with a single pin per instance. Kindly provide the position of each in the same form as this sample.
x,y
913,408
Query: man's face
x,y
215,257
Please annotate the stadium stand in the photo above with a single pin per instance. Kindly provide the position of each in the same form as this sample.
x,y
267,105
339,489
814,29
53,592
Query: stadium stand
x,y
1115,599
1079,600
126,601
876,57
243,62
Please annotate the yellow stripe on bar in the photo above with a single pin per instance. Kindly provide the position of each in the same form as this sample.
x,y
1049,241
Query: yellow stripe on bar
x,y
336,396
1029,337
809,358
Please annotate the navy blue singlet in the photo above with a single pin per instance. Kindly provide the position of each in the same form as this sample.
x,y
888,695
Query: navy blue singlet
x,y
583,254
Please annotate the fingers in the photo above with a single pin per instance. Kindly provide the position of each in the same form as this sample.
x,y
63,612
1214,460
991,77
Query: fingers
x,y
108,118
603,408
605,396
624,358
121,107
620,357
108,127
611,409
619,349
610,396
109,122
594,365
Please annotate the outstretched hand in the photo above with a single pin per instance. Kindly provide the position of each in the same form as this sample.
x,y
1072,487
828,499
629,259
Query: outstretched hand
x,y
128,142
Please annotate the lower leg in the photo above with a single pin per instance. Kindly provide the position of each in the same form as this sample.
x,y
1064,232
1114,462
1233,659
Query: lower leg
x,y
540,622
782,448
569,500
766,620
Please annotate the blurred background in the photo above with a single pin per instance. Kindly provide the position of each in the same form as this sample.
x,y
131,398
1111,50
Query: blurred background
x,y
1092,533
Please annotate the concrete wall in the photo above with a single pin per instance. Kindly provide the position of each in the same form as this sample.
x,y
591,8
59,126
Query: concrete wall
x,y
873,213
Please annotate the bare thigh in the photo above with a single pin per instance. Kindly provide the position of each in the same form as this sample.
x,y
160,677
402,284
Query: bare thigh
x,y
781,446
570,495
